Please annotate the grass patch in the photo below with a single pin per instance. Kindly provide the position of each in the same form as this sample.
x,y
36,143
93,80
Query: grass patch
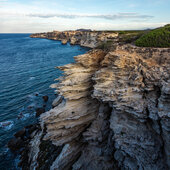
x,y
124,37
129,37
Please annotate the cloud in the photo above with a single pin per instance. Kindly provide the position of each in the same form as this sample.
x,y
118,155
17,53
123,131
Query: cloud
x,y
100,16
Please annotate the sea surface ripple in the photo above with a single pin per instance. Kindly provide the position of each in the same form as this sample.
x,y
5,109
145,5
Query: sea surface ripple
x,y
27,68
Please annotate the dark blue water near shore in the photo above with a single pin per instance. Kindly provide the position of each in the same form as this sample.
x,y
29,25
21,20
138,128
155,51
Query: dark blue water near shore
x,y
27,68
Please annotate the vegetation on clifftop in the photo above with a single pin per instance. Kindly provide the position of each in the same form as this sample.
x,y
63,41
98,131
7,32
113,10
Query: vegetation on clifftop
x,y
159,37
130,36
124,37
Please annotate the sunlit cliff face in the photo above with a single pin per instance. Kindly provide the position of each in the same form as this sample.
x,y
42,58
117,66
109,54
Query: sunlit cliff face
x,y
115,113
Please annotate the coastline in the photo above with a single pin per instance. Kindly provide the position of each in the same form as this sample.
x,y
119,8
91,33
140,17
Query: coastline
x,y
31,73
90,39
101,119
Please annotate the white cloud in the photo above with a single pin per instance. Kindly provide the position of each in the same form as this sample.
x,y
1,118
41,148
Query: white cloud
x,y
42,16
125,15
100,16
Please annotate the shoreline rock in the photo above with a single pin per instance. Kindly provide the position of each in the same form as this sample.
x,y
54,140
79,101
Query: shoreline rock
x,y
90,39
64,42
57,101
22,137
45,98
15,144
20,133
39,111
115,114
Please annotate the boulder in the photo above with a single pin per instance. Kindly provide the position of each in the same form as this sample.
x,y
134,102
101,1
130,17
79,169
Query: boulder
x,y
64,41
73,41
20,133
57,101
45,98
32,128
39,111
15,144
36,94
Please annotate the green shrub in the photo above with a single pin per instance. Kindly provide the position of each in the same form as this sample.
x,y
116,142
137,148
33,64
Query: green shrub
x,y
129,37
159,37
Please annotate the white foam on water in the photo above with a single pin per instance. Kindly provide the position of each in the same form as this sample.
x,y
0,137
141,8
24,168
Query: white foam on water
x,y
31,78
7,125
24,116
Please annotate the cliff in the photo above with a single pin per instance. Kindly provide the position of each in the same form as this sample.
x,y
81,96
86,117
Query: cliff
x,y
84,38
115,113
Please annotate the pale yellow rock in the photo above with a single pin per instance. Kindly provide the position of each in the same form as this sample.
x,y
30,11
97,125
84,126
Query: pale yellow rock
x,y
115,108
86,39
65,123
64,41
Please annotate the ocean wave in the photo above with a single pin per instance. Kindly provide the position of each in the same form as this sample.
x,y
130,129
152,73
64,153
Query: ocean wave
x,y
27,68
31,78
6,124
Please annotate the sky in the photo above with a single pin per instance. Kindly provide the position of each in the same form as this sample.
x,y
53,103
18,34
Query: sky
x,y
31,16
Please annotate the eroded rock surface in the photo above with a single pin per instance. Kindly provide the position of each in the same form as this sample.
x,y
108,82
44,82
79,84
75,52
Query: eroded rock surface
x,y
115,113
135,82
66,122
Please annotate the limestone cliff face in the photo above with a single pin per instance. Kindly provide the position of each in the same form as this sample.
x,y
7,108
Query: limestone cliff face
x,y
115,113
134,81
67,121
83,38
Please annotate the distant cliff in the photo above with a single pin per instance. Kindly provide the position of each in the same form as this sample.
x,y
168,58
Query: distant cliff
x,y
115,113
83,38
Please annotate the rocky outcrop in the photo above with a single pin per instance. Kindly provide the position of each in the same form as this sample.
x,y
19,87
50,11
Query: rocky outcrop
x,y
64,41
115,113
84,38
66,122
39,111
127,126
45,98
134,81
57,101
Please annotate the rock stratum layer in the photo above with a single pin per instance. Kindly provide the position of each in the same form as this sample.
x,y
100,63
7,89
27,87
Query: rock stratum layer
x,y
115,113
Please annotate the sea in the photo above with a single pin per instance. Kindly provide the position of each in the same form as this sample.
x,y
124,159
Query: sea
x,y
27,69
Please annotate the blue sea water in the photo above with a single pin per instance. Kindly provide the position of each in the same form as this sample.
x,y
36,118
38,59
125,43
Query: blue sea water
x,y
27,68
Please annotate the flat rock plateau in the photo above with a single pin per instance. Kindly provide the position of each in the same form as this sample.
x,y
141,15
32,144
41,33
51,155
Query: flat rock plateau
x,y
114,110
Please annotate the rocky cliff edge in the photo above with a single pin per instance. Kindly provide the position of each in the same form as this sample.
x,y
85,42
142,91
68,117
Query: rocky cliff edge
x,y
115,113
